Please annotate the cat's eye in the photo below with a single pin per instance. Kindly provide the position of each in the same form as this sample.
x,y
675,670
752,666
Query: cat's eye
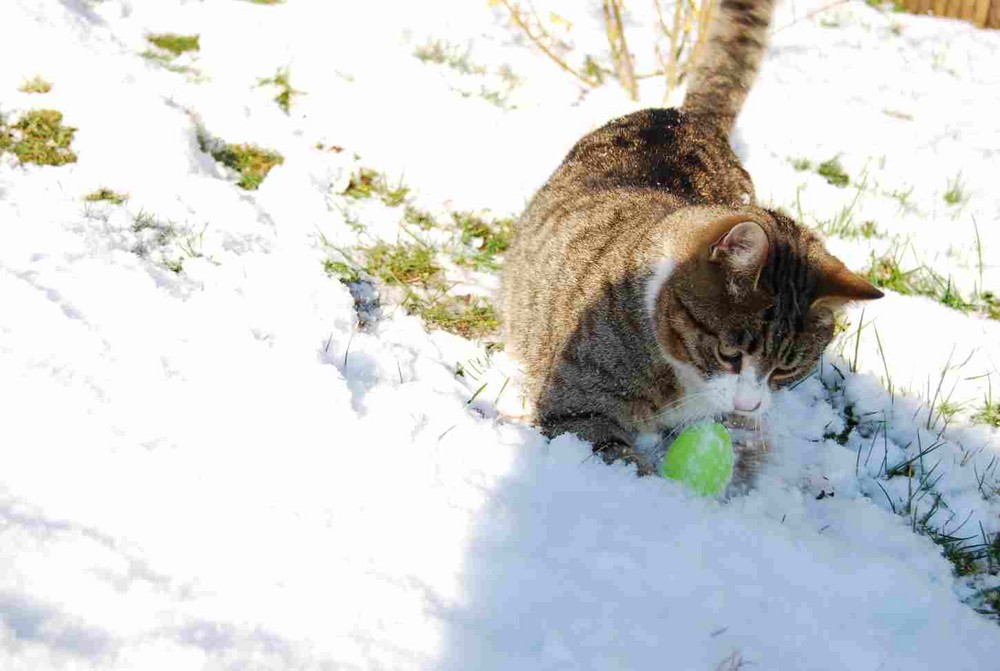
x,y
782,372
729,355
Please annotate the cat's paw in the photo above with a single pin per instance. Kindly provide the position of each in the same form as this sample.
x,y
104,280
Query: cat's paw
x,y
613,450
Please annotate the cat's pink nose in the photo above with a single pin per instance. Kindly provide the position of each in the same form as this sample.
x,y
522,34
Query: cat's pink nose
x,y
743,404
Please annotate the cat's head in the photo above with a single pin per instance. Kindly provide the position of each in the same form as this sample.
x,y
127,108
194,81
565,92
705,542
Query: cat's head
x,y
745,307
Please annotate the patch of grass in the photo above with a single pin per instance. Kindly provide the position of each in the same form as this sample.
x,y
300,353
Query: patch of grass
x,y
801,164
448,54
107,195
402,264
951,297
903,197
508,76
869,229
419,218
334,148
883,5
467,316
973,553
988,303
502,81
363,184
174,43
972,556
285,89
35,85
955,193
38,137
843,226
167,61
896,114
163,243
166,47
267,2
394,196
366,183
990,412
494,97
834,172
341,270
886,272
152,233
410,270
251,162
488,238
413,269
947,409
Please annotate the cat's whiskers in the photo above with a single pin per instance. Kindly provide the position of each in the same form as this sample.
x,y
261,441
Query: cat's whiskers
x,y
684,402
694,417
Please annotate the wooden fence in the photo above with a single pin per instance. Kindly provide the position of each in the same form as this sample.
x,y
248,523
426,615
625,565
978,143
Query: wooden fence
x,y
983,13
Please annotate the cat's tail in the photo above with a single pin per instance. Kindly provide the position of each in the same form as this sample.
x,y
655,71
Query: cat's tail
x,y
728,64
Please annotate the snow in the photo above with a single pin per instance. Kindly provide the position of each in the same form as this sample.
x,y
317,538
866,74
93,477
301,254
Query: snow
x,y
217,470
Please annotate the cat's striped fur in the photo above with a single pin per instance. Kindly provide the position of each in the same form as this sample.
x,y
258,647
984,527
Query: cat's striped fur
x,y
723,75
645,288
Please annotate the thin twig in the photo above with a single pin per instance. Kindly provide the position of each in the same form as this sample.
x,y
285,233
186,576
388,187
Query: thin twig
x,y
811,14
515,14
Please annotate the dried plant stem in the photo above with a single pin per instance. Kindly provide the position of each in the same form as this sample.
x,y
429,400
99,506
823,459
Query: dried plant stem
x,y
623,61
685,34
705,11
669,62
515,14
811,14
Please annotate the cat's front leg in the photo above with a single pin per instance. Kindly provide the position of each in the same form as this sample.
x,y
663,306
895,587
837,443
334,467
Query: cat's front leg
x,y
751,450
605,434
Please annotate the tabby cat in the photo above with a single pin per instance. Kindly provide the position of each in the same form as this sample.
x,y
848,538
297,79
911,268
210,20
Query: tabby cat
x,y
645,289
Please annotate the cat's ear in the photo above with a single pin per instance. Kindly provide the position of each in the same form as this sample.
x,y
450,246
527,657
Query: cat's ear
x,y
743,249
838,285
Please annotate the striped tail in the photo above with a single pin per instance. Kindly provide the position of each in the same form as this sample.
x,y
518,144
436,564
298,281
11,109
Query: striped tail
x,y
727,66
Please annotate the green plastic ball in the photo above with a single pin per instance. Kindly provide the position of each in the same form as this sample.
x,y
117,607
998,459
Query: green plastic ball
x,y
702,458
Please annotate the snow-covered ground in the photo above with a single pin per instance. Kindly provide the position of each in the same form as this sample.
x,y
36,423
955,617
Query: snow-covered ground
x,y
216,469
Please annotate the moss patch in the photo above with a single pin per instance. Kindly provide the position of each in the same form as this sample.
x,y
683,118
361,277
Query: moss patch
x,y
35,85
38,137
105,194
